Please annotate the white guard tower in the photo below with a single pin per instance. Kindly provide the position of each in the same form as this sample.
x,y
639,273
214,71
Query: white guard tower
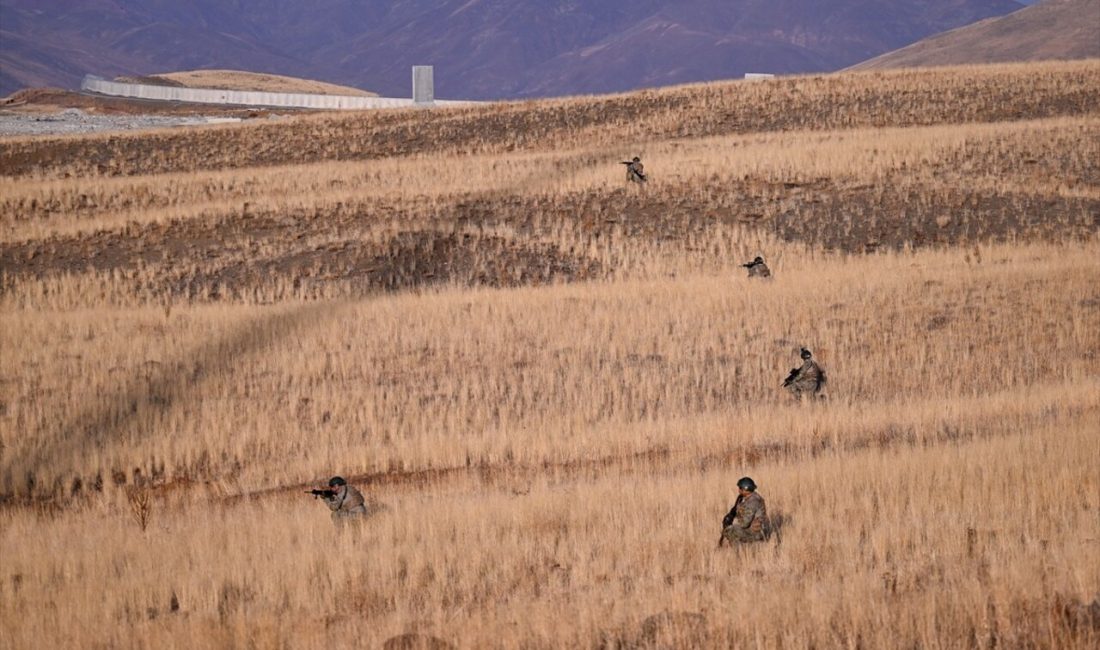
x,y
423,85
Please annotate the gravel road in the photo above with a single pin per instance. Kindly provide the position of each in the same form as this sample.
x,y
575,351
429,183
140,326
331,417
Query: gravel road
x,y
74,120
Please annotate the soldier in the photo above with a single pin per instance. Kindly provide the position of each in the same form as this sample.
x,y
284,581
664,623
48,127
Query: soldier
x,y
343,500
747,521
635,173
758,269
809,379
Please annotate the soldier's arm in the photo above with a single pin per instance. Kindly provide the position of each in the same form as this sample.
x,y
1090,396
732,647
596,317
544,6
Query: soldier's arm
x,y
333,502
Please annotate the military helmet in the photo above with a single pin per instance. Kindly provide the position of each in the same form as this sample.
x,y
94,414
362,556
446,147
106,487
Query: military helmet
x,y
746,483
637,159
336,481
806,354
758,260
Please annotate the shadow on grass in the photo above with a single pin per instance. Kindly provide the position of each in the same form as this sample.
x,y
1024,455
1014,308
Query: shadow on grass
x,y
112,419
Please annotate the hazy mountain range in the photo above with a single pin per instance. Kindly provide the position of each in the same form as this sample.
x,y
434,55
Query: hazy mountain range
x,y
481,49
1055,29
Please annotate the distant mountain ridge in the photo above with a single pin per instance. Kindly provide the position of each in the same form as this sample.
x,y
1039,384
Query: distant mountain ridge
x,y
1052,29
481,49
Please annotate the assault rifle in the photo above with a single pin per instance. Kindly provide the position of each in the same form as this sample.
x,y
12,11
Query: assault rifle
x,y
324,494
728,519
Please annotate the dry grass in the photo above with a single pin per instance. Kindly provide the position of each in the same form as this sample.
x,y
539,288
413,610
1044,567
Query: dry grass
x,y
616,122
241,80
552,381
454,379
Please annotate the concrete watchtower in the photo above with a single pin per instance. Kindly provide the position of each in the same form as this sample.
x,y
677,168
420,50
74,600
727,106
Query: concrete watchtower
x,y
423,85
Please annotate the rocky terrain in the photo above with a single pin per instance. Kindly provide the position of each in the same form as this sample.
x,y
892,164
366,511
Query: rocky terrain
x,y
74,120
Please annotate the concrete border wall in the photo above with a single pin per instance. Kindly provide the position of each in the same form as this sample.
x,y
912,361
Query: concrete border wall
x,y
102,86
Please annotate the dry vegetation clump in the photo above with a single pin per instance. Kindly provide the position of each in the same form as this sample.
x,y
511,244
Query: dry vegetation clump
x,y
547,382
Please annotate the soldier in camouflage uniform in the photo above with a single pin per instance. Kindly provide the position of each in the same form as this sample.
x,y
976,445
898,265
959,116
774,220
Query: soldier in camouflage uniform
x,y
808,379
758,269
343,500
747,521
635,172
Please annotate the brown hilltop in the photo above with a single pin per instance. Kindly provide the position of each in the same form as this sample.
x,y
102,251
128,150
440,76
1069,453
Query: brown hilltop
x,y
1055,29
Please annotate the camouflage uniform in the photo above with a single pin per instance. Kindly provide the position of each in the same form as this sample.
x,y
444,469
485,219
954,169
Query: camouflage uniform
x,y
635,171
758,269
346,503
809,379
747,521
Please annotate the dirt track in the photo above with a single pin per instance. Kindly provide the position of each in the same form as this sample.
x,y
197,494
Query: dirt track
x,y
48,111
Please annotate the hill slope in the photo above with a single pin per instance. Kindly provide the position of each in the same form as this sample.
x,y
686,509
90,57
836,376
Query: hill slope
x,y
481,48
239,80
198,326
1055,29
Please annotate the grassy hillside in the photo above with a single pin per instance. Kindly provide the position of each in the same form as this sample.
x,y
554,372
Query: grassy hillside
x,y
1051,30
547,381
241,80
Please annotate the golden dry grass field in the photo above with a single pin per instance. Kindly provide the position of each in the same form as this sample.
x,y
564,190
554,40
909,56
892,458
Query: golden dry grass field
x,y
547,380
241,80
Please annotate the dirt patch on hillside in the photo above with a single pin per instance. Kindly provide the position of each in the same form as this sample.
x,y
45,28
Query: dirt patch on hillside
x,y
411,259
278,255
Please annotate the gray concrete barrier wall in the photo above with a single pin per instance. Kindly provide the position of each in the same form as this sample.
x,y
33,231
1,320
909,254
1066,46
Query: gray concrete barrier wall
x,y
102,86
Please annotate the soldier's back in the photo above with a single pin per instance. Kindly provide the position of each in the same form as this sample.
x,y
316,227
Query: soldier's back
x,y
355,503
810,379
760,270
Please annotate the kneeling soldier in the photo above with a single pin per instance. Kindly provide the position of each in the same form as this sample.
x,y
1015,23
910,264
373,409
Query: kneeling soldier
x,y
343,500
747,521
635,171
758,269
808,379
